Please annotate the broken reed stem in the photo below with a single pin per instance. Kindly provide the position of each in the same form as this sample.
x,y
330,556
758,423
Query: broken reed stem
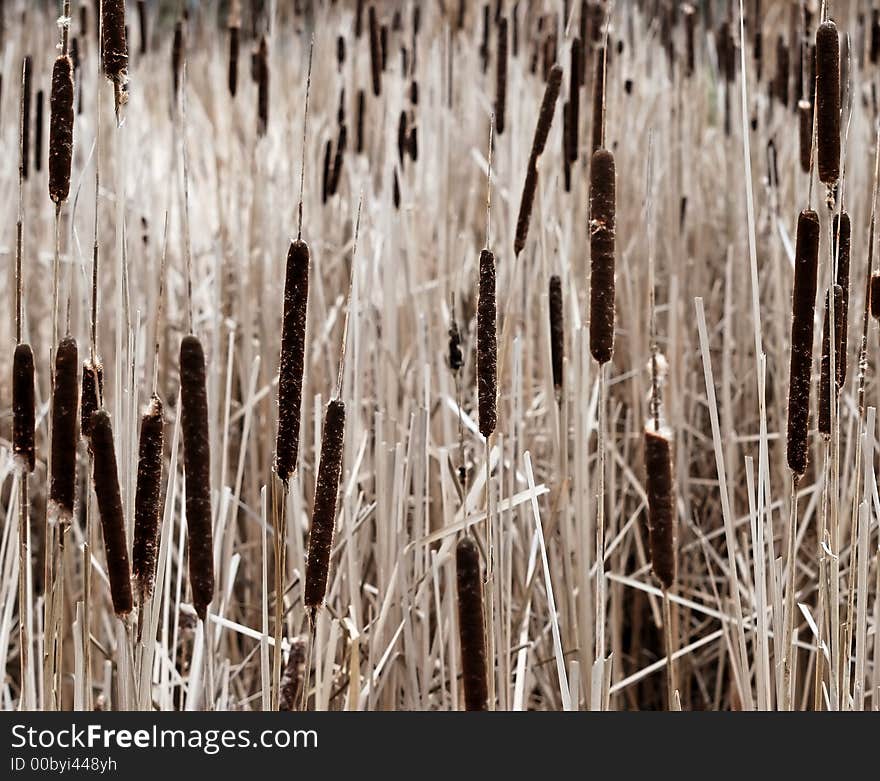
x,y
197,471
471,628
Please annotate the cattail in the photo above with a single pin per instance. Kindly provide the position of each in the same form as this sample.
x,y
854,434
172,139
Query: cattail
x,y
25,116
325,178
875,296
324,508
841,226
64,409
92,394
106,481
293,339
338,159
234,32
262,66
758,53
484,41
599,100
825,395
114,47
340,51
359,18
23,413
456,357
828,102
197,469
661,506
470,625
501,76
874,50
375,52
38,132
542,130
782,71
294,675
805,116
412,143
487,345
176,58
359,122
803,306
557,330
574,102
395,190
61,129
383,45
689,25
142,22
602,205
146,499
402,134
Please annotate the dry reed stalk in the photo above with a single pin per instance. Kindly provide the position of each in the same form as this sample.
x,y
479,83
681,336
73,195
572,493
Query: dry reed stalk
x,y
197,469
803,306
471,629
542,130
501,76
487,345
147,499
557,332
64,422
294,676
293,338
23,412
828,103
61,129
262,76
826,399
602,240
106,483
375,52
598,118
324,508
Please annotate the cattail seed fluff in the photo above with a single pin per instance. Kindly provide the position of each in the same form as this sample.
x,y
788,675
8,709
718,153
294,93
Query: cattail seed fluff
x,y
60,129
557,330
64,421
23,413
661,506
487,345
470,625
324,508
197,469
828,102
803,307
293,339
147,500
602,206
106,482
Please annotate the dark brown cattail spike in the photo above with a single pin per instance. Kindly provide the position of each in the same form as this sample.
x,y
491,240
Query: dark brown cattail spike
x,y
557,331
38,132
106,481
875,296
689,27
294,675
23,413
324,509
542,130
197,469
487,345
64,420
456,358
262,65
114,47
825,394
841,229
92,393
805,116
828,102
803,308
471,630
782,71
147,500
176,58
375,52
61,129
293,339
602,208
142,22
234,45
501,77
661,506
25,116
574,102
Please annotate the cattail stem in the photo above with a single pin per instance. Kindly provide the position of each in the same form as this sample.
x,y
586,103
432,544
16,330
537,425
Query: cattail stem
x,y
669,641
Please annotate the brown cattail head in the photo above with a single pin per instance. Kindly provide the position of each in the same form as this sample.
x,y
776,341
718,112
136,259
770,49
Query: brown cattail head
x,y
38,131
26,88
176,58
234,45
456,357
197,469
875,296
92,394
106,480
828,102
661,505
783,71
262,75
602,204
805,117
375,52
470,625
146,499
64,421
324,509
501,76
802,312
143,25
557,331
294,676
841,228
114,47
826,399
61,129
574,103
689,28
487,345
293,340
23,414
